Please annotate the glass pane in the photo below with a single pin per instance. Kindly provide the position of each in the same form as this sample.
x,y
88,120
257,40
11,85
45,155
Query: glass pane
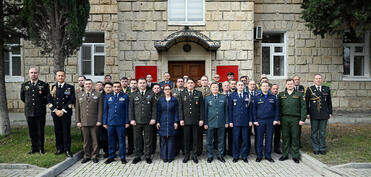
x,y
265,60
273,38
353,38
86,53
99,49
177,10
94,38
358,49
346,61
99,65
278,65
195,10
6,56
278,49
16,66
86,67
359,65
16,50
6,68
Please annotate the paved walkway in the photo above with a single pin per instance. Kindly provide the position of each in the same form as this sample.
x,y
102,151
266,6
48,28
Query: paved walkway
x,y
178,168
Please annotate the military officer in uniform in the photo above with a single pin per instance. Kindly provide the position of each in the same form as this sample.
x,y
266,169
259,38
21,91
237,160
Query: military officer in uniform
x,y
277,127
142,114
319,110
34,94
158,94
166,81
103,133
240,119
265,115
216,119
115,120
88,116
61,99
179,133
252,92
292,114
302,89
191,116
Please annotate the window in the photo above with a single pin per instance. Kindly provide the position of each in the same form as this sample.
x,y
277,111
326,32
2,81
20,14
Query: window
x,y
186,12
13,62
356,56
274,55
92,57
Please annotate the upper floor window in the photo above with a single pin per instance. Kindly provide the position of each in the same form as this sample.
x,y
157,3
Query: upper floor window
x,y
186,12
356,57
274,54
92,56
12,60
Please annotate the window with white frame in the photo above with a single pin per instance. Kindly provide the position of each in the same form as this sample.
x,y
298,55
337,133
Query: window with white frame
x,y
356,57
12,60
186,12
274,54
92,57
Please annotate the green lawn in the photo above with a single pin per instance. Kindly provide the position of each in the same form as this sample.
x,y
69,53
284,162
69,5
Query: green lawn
x,y
14,148
345,143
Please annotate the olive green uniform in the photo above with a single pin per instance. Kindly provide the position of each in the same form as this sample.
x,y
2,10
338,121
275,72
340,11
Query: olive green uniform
x,y
292,109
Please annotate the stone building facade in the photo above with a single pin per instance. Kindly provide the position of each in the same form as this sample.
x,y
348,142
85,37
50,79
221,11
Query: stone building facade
x,y
216,33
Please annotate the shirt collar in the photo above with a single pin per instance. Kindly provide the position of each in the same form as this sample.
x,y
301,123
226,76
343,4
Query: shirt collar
x,y
62,84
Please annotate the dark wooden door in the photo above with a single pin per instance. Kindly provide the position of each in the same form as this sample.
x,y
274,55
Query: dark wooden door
x,y
194,69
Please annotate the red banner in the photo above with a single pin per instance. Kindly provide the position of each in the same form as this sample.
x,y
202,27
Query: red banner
x,y
224,70
143,71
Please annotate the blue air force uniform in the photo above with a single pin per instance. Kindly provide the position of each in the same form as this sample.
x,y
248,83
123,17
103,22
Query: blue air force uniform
x,y
265,111
240,115
163,83
116,116
216,116
62,97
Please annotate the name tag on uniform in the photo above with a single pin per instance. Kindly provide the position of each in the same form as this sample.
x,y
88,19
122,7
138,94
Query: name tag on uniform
x,y
271,101
283,96
221,101
295,96
260,102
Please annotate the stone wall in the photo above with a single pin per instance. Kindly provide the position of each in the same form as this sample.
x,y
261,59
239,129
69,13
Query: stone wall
x,y
143,22
308,54
103,18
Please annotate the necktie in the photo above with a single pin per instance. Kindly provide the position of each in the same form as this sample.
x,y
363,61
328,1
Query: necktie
x,y
88,94
240,95
115,95
60,85
33,84
319,88
142,93
190,93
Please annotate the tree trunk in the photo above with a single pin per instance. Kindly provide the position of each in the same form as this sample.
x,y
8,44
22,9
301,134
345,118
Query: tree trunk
x,y
4,116
58,60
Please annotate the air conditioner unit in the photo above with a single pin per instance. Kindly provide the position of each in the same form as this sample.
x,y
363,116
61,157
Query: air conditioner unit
x,y
258,33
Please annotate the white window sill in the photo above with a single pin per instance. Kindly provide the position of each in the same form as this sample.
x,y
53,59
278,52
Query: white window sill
x,y
356,78
276,77
200,23
95,78
14,79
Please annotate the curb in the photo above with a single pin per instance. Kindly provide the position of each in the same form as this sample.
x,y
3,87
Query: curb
x,y
60,167
18,166
354,165
318,166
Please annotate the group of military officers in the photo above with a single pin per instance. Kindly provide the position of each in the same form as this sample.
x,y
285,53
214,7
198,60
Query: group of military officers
x,y
227,112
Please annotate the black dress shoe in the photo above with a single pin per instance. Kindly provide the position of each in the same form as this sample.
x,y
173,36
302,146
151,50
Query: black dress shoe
x,y
185,160
269,159
136,160
69,154
259,159
315,152
109,160
245,160
234,160
165,160
105,155
32,151
209,160
278,151
283,158
322,152
85,160
123,161
59,152
95,160
295,160
148,160
195,160
42,152
221,159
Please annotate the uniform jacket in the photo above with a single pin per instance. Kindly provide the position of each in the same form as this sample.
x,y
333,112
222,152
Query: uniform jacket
x,y
143,109
191,107
88,109
265,108
319,104
301,89
176,92
216,111
62,98
115,110
240,109
163,83
167,115
204,90
35,98
292,105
